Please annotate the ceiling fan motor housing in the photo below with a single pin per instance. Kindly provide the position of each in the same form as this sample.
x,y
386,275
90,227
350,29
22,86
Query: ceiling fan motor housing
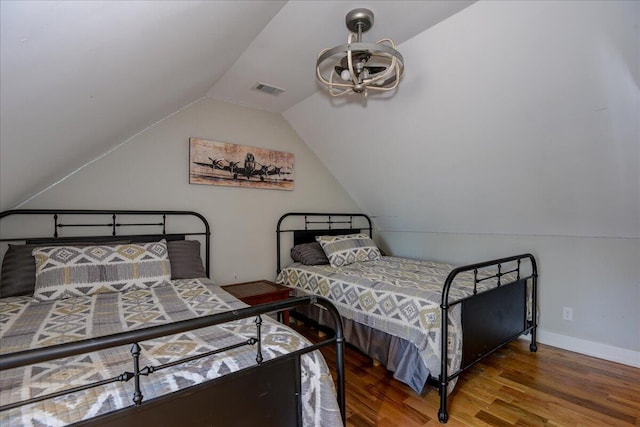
x,y
359,19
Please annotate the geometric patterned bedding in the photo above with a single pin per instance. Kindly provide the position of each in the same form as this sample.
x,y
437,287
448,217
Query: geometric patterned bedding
x,y
26,323
398,296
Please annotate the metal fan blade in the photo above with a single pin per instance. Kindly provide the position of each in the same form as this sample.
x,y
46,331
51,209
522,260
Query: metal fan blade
x,y
371,70
375,70
356,56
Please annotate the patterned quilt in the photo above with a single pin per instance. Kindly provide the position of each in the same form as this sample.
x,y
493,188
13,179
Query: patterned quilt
x,y
398,296
26,323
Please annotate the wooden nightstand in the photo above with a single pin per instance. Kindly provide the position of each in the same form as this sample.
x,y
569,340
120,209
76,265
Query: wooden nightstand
x,y
260,292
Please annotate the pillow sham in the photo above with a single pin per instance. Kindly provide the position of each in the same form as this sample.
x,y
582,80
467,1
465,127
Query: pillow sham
x,y
347,249
309,254
71,271
184,256
18,276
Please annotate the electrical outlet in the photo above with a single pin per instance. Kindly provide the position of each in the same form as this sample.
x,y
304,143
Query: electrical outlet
x,y
567,313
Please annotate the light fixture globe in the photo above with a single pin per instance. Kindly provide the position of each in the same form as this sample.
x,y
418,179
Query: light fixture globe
x,y
357,67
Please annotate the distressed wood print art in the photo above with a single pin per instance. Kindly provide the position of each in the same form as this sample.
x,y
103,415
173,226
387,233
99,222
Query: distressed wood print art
x,y
221,163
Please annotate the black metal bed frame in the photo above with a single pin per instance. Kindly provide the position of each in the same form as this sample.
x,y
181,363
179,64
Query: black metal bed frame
x,y
193,405
114,225
490,319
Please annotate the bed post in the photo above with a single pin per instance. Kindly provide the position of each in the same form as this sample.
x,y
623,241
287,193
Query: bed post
x,y
340,341
443,416
533,347
278,231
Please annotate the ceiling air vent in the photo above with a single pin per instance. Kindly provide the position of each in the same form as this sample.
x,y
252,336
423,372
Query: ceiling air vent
x,y
271,90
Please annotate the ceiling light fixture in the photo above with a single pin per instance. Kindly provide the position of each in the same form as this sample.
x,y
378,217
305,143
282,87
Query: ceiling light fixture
x,y
357,67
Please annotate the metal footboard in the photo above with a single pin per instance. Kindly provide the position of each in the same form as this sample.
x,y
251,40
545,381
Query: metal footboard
x,y
134,416
508,324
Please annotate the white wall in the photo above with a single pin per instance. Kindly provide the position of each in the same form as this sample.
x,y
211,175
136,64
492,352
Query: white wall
x,y
151,172
597,278
515,129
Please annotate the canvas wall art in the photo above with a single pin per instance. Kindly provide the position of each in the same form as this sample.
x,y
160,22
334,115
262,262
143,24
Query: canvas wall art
x,y
221,163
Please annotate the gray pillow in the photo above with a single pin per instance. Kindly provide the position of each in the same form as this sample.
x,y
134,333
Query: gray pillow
x,y
184,256
309,254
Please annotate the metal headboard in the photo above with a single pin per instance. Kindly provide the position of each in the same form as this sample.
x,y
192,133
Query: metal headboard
x,y
115,225
320,224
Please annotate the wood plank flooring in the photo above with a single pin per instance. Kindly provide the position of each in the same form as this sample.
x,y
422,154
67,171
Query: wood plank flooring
x,y
513,387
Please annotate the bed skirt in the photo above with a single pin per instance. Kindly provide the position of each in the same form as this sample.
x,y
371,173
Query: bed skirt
x,y
398,355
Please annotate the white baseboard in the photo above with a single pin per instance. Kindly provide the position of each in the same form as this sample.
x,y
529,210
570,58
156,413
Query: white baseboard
x,y
589,348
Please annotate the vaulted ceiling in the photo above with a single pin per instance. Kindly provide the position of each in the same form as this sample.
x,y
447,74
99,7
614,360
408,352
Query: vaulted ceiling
x,y
79,78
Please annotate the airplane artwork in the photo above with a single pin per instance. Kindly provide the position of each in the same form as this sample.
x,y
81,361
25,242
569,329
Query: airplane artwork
x,y
250,169
219,163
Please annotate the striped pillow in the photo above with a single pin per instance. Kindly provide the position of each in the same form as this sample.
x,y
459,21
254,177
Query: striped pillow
x,y
309,254
71,271
347,249
184,256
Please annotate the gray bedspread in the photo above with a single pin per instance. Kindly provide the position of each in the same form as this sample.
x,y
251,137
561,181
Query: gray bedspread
x,y
26,323
400,297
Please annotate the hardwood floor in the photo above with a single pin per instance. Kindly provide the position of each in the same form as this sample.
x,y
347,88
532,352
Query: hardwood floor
x,y
513,387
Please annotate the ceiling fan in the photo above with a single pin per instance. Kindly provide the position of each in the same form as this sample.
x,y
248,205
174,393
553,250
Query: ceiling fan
x,y
358,66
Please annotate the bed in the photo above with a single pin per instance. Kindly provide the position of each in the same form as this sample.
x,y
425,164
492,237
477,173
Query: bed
x,y
392,308
144,337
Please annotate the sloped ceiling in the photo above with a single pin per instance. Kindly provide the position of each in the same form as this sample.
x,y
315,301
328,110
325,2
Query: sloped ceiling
x,y
79,78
